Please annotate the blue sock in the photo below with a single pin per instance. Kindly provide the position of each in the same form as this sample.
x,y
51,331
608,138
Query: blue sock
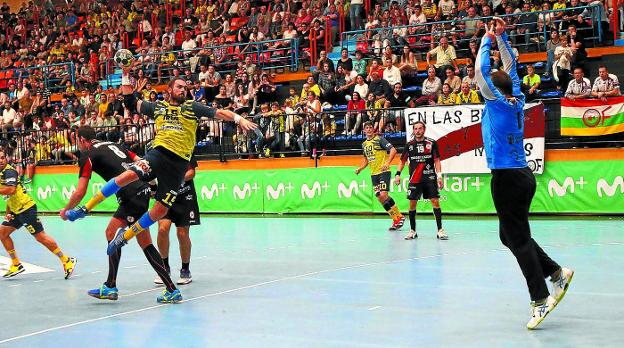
x,y
146,221
110,188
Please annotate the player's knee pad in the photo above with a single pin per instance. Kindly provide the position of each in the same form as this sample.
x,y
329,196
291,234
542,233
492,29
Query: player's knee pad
x,y
141,168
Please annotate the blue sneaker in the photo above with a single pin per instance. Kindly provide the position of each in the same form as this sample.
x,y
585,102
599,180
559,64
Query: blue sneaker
x,y
117,242
169,297
76,213
104,293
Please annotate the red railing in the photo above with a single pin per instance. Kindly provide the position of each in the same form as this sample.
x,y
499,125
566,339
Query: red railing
x,y
124,40
313,47
328,33
169,13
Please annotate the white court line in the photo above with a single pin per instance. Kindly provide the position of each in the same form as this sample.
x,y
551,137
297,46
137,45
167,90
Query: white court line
x,y
129,267
255,286
373,308
14,285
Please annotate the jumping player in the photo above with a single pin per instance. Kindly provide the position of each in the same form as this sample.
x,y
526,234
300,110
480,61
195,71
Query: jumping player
x,y
22,211
379,153
425,173
184,213
167,161
108,160
513,183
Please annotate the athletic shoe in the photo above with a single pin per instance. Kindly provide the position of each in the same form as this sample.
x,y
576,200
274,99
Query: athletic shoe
x,y
560,287
411,235
69,266
397,224
104,293
539,312
159,281
14,270
185,277
117,242
169,297
442,234
76,213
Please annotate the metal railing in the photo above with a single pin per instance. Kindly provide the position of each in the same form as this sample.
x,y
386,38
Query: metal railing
x,y
266,55
421,36
52,75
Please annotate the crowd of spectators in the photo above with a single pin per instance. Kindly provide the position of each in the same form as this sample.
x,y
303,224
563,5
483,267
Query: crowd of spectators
x,y
88,33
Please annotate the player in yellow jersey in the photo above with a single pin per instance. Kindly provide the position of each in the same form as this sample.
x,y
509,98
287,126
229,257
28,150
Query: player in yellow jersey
x,y
379,153
22,211
167,160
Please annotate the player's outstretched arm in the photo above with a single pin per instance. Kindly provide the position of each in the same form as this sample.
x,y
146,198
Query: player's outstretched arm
x,y
228,115
483,67
507,56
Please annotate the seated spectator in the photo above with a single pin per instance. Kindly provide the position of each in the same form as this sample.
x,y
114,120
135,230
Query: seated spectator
x,y
606,85
408,65
452,80
392,74
359,64
470,78
530,83
397,100
327,82
579,87
467,95
355,108
431,88
379,87
447,97
445,56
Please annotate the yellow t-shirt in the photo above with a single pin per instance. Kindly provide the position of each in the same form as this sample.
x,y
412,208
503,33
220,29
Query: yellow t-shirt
x,y
376,152
444,100
176,126
20,200
471,98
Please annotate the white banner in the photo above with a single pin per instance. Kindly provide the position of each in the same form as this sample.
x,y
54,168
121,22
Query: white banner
x,y
457,129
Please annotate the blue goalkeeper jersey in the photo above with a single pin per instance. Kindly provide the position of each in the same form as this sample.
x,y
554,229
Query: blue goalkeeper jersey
x,y
502,123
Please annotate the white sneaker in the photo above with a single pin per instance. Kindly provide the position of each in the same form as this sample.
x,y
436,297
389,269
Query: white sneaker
x,y
442,234
185,277
158,281
561,286
411,235
539,312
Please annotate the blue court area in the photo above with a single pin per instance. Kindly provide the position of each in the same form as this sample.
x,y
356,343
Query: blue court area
x,y
321,282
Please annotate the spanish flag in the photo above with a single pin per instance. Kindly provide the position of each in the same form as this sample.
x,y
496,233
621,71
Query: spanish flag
x,y
592,117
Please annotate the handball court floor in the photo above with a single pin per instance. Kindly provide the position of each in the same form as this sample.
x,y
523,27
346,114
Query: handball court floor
x,y
320,282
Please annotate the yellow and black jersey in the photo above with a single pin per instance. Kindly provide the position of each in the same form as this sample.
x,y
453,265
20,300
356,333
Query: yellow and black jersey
x,y
20,200
376,152
176,126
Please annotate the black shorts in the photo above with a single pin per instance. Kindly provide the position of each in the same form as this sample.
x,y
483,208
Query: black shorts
x,y
168,168
381,182
131,209
185,211
28,218
427,189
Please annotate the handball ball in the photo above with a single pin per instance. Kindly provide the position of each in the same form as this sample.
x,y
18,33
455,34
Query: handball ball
x,y
123,58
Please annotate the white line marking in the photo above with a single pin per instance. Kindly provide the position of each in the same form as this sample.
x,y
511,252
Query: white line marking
x,y
141,292
255,286
14,285
96,272
30,268
37,281
373,308
129,267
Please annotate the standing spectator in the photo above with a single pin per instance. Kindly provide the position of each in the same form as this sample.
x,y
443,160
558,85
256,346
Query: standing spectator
x,y
579,87
605,85
561,67
551,45
8,116
355,14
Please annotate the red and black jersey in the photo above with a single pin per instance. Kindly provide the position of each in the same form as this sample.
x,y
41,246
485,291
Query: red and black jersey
x,y
109,160
421,156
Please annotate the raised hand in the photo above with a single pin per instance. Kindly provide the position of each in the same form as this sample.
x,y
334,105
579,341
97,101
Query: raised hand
x,y
489,31
500,26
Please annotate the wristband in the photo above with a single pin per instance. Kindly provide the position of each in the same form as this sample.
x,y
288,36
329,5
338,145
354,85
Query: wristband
x,y
398,173
237,118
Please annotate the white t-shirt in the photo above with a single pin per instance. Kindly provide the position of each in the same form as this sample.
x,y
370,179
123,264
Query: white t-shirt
x,y
362,89
446,7
610,83
8,115
392,75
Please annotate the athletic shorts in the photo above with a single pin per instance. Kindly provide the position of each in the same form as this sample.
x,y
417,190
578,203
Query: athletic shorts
x,y
381,182
131,209
427,189
28,218
168,168
185,211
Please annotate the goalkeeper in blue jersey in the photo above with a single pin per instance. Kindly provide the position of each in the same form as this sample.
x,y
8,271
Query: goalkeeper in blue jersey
x,y
513,183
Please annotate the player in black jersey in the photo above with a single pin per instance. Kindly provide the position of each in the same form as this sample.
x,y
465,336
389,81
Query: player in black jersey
x,y
184,213
425,176
109,160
